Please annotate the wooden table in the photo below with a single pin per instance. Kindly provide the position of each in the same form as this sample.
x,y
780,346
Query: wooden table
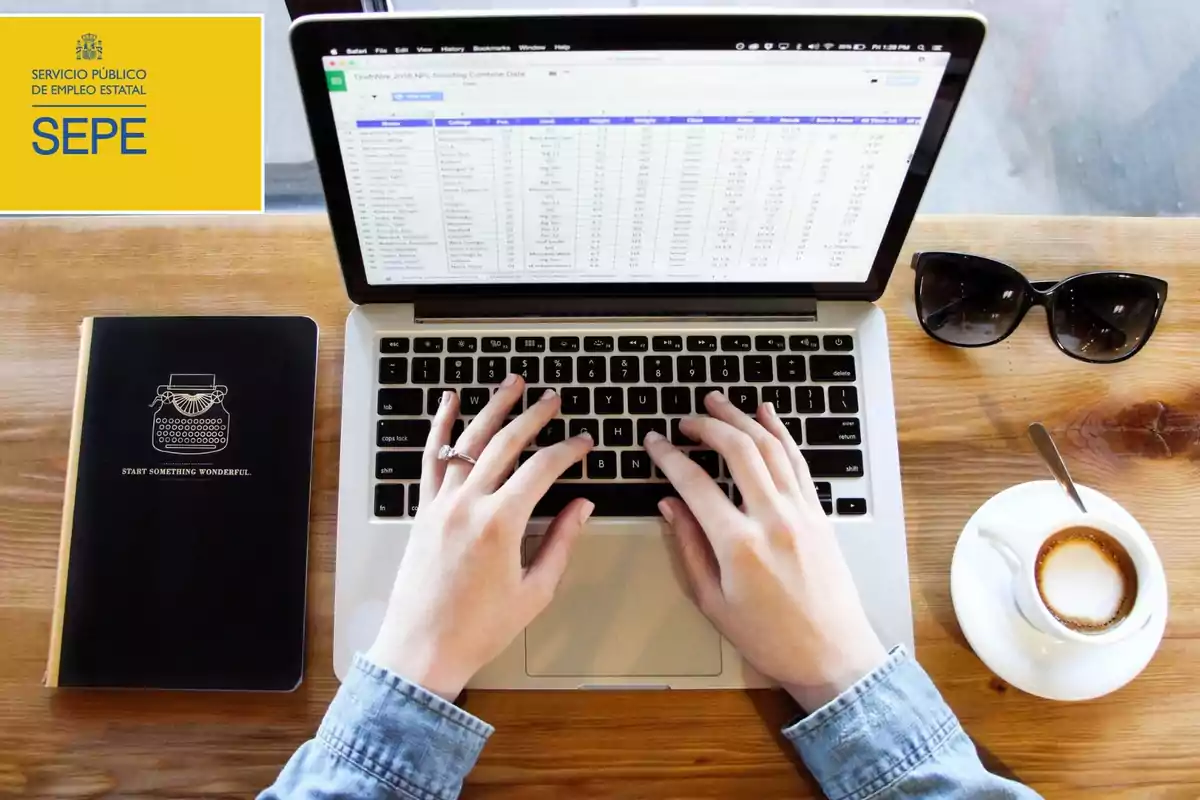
x,y
1131,430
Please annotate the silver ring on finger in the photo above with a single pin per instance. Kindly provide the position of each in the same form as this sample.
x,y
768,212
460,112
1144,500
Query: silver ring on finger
x,y
448,453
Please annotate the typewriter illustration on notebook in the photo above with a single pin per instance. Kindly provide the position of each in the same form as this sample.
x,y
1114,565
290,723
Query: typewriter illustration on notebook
x,y
189,416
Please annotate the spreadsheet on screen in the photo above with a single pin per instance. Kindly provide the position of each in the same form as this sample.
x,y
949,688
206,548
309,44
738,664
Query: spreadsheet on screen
x,y
626,166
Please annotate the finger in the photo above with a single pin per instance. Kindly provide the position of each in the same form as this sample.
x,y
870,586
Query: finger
x,y
774,425
746,464
474,439
548,566
769,446
433,470
707,501
499,454
699,562
533,479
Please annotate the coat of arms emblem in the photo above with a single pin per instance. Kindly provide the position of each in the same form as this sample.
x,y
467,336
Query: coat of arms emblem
x,y
89,48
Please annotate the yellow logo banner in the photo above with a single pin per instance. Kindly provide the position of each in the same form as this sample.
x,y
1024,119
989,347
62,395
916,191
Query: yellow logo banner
x,y
131,114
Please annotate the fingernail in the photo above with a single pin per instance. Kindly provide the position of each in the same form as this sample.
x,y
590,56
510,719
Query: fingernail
x,y
770,408
511,379
585,511
653,436
585,437
718,396
665,509
446,397
546,395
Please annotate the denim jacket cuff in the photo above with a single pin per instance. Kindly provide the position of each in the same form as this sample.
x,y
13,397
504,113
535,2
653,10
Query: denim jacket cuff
x,y
875,732
400,734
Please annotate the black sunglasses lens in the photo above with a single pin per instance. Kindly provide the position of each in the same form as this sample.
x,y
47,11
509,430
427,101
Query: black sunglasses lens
x,y
968,301
1104,317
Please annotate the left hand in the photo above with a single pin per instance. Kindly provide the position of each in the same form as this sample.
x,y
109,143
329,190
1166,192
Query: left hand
x,y
461,595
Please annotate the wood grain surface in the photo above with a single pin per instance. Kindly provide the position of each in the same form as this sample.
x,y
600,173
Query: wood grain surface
x,y
1131,430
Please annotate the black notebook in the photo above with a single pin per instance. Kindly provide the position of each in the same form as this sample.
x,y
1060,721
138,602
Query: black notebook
x,y
184,552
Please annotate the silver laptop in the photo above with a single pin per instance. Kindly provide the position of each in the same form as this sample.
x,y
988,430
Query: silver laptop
x,y
633,208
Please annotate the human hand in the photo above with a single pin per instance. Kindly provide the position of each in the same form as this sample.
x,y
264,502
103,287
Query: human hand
x,y
770,576
461,595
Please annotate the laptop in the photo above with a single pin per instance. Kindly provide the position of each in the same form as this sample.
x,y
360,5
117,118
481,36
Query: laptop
x,y
633,208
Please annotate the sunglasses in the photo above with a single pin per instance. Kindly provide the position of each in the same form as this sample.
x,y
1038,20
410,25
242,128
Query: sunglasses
x,y
1099,317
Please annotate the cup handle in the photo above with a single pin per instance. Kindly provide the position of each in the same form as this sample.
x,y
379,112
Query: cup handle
x,y
1001,545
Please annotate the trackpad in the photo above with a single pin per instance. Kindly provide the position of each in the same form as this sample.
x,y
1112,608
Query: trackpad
x,y
621,610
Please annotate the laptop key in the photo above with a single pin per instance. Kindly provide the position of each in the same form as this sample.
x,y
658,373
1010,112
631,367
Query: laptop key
x,y
460,370
643,400
708,460
525,366
791,368
598,344
492,369
826,505
658,369
457,429
667,344
810,400
588,426
602,464
678,437
633,344
558,369
472,401
575,400
433,399
703,344
843,399
644,426
851,506
592,369
531,344
744,398
427,344
462,344
497,344
834,430
393,345
778,396
676,400
427,370
395,464
611,499
703,392
824,489
803,343
725,369
795,426
625,369
610,400
838,341
402,432
831,368
402,402
736,344
414,499
834,463
573,472
769,343
564,344
393,370
758,369
692,369
552,432
389,500
618,433
635,464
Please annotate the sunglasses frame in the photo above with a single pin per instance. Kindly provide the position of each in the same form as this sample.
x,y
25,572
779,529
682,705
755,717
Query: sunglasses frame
x,y
1037,293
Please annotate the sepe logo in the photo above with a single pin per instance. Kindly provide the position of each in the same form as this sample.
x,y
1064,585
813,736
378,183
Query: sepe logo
x,y
89,48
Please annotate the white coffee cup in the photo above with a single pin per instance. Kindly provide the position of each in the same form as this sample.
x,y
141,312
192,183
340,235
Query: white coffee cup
x,y
1020,545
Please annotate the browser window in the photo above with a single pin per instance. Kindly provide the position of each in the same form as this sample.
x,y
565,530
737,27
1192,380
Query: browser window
x,y
527,163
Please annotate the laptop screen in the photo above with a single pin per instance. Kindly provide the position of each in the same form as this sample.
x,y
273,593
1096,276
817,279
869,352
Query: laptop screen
x,y
531,163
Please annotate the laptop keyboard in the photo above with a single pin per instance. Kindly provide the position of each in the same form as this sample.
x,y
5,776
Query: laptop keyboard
x,y
618,388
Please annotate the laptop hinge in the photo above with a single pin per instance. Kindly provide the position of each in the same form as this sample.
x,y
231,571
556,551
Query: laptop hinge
x,y
448,307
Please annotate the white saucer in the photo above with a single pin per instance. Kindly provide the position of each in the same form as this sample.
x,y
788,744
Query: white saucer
x,y
1021,655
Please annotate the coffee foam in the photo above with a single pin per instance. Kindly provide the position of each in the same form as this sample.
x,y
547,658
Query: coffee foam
x,y
1086,579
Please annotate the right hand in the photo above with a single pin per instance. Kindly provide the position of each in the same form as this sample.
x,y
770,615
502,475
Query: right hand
x,y
770,576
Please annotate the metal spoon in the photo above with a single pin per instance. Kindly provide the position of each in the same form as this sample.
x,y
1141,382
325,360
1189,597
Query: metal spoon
x,y
1049,453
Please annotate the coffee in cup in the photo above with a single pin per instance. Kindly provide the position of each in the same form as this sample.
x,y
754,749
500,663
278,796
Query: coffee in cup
x,y
1086,579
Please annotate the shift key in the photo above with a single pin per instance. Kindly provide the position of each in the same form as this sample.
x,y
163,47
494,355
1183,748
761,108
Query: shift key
x,y
832,463
402,432
396,464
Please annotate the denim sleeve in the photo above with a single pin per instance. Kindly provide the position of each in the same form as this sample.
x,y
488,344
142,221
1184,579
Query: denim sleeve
x,y
384,737
892,736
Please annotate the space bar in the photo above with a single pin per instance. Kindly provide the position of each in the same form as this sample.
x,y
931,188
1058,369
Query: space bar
x,y
611,499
